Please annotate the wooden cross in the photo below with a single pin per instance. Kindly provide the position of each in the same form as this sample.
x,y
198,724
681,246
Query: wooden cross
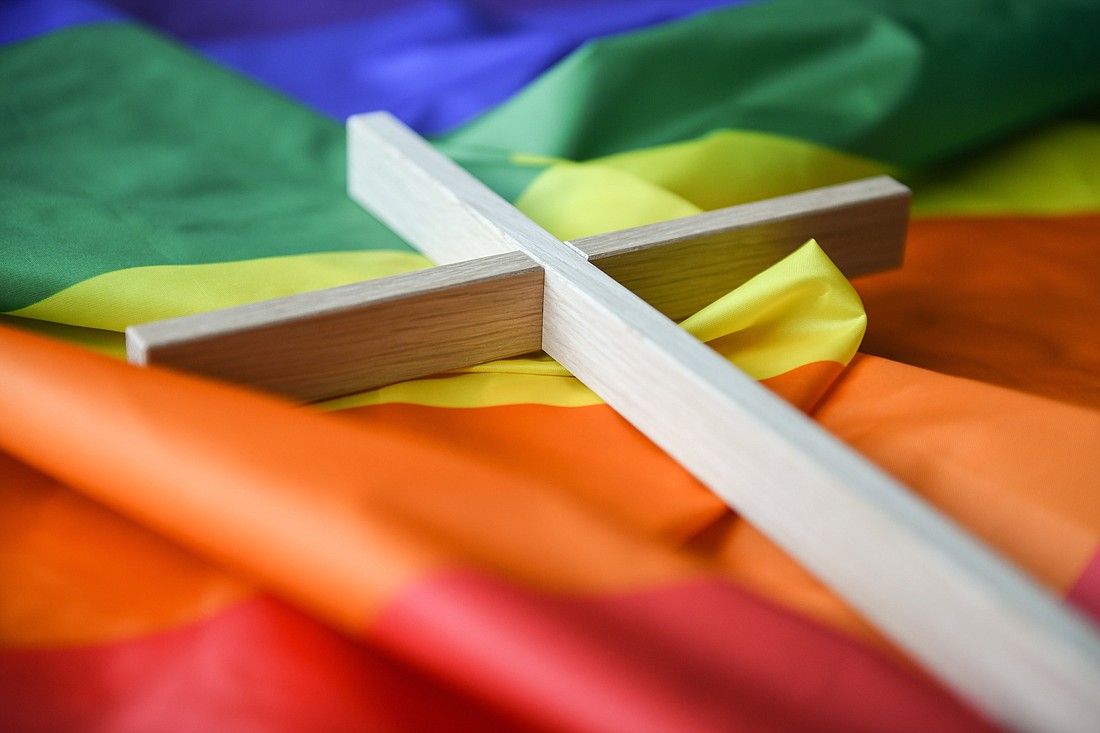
x,y
505,287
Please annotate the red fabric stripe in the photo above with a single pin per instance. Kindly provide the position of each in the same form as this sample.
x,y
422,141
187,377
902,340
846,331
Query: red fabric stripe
x,y
259,666
700,656
1085,593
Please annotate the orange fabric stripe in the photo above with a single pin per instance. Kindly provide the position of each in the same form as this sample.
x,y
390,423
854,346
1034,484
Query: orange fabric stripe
x,y
247,480
1012,301
1019,471
340,512
805,386
1036,507
74,572
589,455
333,513
56,596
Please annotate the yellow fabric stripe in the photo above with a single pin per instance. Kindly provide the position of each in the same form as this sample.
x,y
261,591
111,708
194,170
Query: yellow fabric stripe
x,y
574,200
1042,173
109,343
475,389
731,167
642,186
117,299
801,310
1048,172
798,312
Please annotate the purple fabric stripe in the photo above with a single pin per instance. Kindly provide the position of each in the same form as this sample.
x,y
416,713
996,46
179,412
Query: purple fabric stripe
x,y
22,19
210,19
433,63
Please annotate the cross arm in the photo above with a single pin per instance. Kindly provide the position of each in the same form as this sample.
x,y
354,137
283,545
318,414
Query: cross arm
x,y
331,342
340,340
682,265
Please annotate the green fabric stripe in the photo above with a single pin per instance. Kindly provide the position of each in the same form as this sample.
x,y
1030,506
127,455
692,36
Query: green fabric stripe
x,y
121,149
906,83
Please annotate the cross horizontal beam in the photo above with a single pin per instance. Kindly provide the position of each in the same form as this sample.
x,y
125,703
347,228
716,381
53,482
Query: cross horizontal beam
x,y
345,339
339,340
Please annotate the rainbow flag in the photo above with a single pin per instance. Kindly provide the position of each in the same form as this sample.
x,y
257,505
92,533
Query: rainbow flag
x,y
494,548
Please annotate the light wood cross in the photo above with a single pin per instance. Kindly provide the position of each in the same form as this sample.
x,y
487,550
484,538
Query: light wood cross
x,y
504,287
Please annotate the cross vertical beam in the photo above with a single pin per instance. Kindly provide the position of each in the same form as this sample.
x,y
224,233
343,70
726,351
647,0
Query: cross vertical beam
x,y
970,617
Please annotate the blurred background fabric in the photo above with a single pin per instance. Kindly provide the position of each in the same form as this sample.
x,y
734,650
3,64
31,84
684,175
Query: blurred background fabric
x,y
494,548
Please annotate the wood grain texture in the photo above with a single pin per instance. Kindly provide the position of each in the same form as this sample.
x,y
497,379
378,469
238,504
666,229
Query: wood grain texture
x,y
339,340
680,266
970,617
